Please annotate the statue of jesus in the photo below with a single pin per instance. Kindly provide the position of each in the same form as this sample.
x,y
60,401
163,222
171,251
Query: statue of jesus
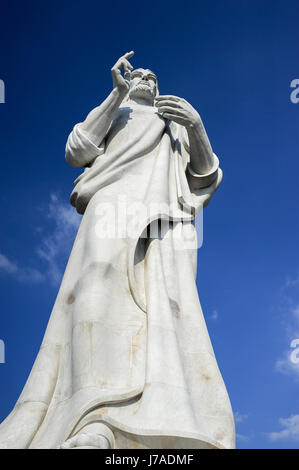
x,y
126,361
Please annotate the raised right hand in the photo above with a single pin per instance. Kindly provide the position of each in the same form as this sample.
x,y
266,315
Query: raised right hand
x,y
119,80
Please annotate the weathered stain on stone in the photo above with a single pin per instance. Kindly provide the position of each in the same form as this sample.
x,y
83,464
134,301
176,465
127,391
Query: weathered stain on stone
x,y
70,299
205,376
175,308
136,344
220,434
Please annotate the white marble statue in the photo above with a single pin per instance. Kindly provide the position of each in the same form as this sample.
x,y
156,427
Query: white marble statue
x,y
126,360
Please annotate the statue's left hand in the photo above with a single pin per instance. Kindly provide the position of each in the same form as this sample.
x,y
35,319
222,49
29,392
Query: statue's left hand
x,y
178,110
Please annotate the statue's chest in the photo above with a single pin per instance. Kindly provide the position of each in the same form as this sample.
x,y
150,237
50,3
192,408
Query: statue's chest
x,y
132,125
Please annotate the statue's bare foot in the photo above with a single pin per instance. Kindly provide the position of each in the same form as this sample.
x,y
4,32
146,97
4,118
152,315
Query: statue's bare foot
x,y
92,436
86,441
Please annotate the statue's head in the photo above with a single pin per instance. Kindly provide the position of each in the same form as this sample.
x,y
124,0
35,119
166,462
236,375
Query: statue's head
x,y
143,84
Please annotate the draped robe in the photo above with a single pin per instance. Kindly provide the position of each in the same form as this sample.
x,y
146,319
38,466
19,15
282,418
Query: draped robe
x,y
126,343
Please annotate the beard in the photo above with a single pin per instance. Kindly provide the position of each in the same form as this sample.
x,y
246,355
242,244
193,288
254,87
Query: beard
x,y
142,91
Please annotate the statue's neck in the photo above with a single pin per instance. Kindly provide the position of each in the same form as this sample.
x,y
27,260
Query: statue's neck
x,y
142,101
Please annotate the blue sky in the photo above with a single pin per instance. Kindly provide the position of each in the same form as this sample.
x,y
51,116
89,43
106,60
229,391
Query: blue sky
x,y
234,61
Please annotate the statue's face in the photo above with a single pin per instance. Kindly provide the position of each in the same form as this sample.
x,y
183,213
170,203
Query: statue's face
x,y
143,84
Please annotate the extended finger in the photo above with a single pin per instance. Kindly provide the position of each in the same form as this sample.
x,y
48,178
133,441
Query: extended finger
x,y
174,104
173,117
168,97
127,55
126,65
123,62
170,110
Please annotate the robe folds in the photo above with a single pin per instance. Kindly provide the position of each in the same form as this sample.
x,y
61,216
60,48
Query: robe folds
x,y
126,343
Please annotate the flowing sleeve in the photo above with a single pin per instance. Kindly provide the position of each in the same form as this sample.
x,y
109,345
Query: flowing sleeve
x,y
194,189
80,151
196,180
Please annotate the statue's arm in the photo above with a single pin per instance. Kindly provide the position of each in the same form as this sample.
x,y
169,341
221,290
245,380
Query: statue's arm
x,y
201,153
92,131
99,119
202,159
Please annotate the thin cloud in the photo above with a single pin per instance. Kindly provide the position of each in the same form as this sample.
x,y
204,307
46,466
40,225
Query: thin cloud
x,y
291,282
242,437
285,363
53,248
56,246
21,274
295,312
7,266
286,366
214,315
239,418
290,429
